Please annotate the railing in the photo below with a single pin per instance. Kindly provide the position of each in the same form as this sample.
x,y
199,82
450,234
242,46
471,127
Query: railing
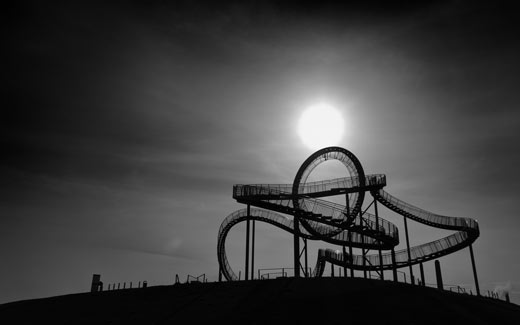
x,y
242,190
270,273
112,286
426,216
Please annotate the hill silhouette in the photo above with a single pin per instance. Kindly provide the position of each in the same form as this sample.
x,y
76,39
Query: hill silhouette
x,y
284,300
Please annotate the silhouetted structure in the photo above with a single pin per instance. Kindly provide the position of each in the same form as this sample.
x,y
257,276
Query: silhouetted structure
x,y
196,279
113,285
96,285
299,209
438,274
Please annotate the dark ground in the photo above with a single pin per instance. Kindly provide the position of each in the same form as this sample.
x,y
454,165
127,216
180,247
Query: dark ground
x,y
287,300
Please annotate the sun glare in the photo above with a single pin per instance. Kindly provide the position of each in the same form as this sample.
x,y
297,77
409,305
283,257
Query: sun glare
x,y
320,126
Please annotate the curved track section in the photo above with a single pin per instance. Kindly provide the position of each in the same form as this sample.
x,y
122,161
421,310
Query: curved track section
x,y
468,232
328,221
272,218
343,225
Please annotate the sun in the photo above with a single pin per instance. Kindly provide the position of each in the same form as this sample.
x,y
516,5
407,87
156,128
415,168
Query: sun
x,y
321,125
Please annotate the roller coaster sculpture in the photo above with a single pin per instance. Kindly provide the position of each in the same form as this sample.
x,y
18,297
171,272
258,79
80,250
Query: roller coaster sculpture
x,y
289,205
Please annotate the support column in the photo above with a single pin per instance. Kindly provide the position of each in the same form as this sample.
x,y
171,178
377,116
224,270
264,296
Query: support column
x,y
306,265
247,244
377,228
408,249
474,269
345,261
296,247
439,275
394,266
331,270
347,204
422,274
253,253
363,254
352,266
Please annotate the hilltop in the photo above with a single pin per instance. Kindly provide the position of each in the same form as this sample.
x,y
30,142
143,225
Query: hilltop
x,y
284,300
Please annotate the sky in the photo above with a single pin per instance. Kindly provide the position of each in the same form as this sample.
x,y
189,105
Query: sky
x,y
125,126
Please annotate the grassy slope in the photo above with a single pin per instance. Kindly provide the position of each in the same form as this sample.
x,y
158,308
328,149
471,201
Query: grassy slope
x,y
329,300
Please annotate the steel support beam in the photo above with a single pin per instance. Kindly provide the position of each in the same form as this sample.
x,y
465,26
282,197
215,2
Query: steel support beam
x,y
306,265
296,247
474,269
394,266
380,253
304,253
363,254
247,243
352,267
345,261
347,203
438,273
253,252
408,249
421,268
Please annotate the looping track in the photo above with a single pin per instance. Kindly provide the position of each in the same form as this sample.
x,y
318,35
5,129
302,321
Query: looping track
x,y
344,225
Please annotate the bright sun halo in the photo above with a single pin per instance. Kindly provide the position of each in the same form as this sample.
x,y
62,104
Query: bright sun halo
x,y
320,126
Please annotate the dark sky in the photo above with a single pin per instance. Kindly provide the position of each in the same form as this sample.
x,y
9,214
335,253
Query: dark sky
x,y
124,127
